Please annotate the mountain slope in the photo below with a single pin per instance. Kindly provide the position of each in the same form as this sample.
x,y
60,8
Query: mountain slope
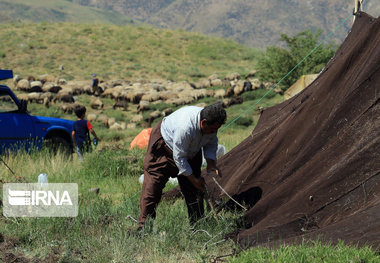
x,y
253,23
57,11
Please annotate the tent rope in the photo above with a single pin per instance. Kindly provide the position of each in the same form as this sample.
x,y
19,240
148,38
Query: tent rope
x,y
296,66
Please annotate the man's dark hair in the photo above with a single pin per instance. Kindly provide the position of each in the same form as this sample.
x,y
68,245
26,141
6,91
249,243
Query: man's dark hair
x,y
214,113
79,111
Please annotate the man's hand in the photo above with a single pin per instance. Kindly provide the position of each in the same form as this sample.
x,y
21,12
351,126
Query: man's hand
x,y
198,182
212,168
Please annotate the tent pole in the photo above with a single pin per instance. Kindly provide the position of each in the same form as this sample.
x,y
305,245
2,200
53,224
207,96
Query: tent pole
x,y
357,8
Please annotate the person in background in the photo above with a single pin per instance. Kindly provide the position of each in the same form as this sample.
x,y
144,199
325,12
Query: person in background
x,y
95,85
81,132
175,150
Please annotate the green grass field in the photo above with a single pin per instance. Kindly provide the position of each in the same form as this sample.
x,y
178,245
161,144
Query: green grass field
x,y
118,52
100,232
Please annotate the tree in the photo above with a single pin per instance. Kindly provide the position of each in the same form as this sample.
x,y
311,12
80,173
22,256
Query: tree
x,y
276,62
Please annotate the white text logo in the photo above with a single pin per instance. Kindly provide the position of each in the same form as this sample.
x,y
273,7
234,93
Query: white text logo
x,y
40,200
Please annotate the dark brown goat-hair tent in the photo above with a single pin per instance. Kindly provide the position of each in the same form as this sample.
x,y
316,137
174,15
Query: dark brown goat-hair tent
x,y
311,167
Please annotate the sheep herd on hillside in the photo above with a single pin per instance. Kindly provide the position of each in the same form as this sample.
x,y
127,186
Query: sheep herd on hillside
x,y
47,89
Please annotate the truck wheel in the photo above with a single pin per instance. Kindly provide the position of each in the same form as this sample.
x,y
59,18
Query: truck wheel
x,y
55,144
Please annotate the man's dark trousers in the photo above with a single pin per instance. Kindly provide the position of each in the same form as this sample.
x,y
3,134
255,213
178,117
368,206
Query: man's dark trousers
x,y
159,166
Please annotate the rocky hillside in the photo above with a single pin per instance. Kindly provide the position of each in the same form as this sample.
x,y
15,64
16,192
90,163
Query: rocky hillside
x,y
254,23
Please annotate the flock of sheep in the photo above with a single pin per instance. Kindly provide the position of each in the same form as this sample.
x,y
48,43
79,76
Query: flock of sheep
x,y
47,89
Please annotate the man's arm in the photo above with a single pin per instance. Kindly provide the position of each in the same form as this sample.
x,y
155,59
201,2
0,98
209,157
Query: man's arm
x,y
181,142
73,136
94,134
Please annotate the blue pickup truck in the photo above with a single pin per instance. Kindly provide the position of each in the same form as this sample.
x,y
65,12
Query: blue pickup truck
x,y
21,131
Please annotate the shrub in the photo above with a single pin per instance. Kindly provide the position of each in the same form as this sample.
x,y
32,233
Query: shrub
x,y
276,62
244,121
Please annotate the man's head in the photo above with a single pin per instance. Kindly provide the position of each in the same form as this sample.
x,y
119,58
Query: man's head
x,y
212,117
80,111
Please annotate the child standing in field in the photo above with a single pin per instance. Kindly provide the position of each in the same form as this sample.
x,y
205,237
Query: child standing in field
x,y
81,132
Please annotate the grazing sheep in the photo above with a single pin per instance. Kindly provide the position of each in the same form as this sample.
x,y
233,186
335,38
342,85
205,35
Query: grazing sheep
x,y
256,84
120,102
16,79
233,76
46,98
91,117
103,119
34,97
242,86
116,127
216,83
36,85
61,82
23,96
213,77
152,116
202,105
46,78
68,107
131,126
134,96
46,102
203,84
111,121
113,92
151,96
232,101
97,104
64,97
167,95
23,84
137,118
51,87
143,106
167,111
220,93
247,86
176,102
229,92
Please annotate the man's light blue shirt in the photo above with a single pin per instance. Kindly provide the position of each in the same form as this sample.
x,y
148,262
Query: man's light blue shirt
x,y
182,133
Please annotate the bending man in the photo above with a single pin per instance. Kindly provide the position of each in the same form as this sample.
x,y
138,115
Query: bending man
x,y
175,150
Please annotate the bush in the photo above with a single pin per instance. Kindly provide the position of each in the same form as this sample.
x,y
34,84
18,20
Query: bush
x,y
257,94
276,62
244,121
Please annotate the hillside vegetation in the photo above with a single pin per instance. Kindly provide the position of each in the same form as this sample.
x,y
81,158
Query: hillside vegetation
x,y
115,52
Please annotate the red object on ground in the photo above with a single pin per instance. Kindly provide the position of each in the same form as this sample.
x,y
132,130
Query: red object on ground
x,y
141,140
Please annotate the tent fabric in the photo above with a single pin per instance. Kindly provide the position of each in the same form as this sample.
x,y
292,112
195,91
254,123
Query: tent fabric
x,y
316,156
141,140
